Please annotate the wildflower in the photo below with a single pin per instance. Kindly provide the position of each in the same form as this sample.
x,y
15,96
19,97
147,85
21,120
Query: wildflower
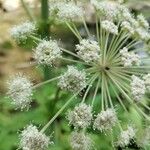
x,y
110,27
127,27
142,21
69,11
126,136
32,139
107,9
129,58
105,120
22,31
81,116
124,13
142,34
137,88
72,80
88,50
80,141
146,79
20,91
47,52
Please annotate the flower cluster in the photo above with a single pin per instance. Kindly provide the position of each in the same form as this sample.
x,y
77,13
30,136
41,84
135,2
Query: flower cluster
x,y
107,60
47,52
81,116
22,31
105,120
126,136
32,139
72,80
65,11
80,141
109,26
88,50
20,91
129,58
146,79
137,88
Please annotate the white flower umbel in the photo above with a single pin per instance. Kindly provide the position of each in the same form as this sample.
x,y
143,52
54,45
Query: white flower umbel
x,y
72,80
81,116
146,79
108,9
142,34
69,11
47,52
137,88
127,27
80,141
22,31
124,13
32,139
129,58
88,50
20,91
109,27
126,136
105,120
142,21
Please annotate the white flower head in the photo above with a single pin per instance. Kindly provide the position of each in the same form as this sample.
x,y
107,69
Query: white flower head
x,y
126,136
80,141
108,9
109,27
22,31
20,91
105,120
88,50
142,21
72,80
68,10
137,88
142,34
124,13
129,58
47,52
81,116
128,27
32,139
146,79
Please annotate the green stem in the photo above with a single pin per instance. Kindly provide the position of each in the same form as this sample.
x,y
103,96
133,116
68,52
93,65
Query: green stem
x,y
59,112
45,82
96,89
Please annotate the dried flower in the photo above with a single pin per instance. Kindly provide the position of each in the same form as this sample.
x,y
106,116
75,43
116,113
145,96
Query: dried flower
x,y
20,91
88,50
72,80
32,139
22,31
47,52
105,120
80,141
81,116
